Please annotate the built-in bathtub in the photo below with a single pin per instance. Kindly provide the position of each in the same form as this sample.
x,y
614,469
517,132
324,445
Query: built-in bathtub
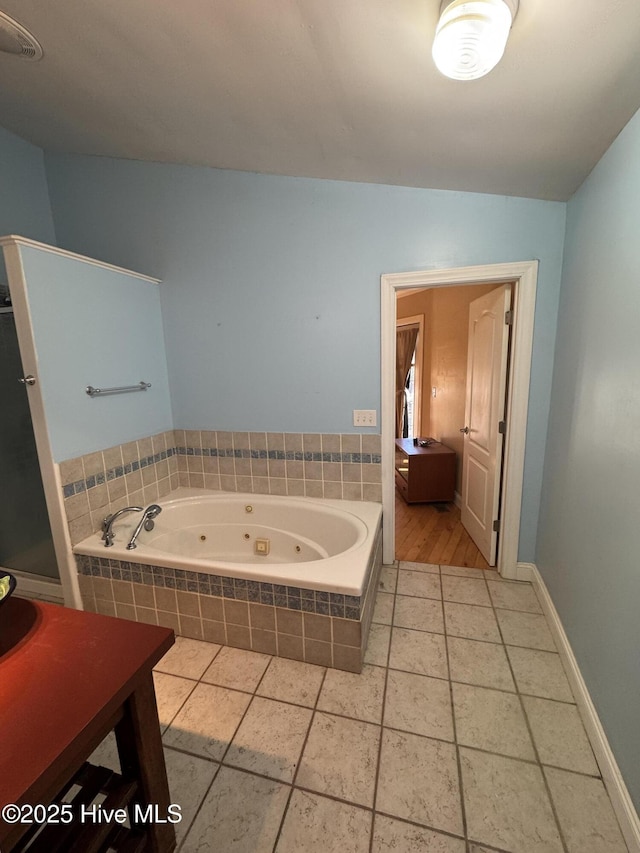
x,y
280,575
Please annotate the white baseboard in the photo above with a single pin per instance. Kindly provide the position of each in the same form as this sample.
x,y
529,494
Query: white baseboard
x,y
620,799
42,589
525,572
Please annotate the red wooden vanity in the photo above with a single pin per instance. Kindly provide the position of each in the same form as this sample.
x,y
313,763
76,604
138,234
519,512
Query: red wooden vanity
x,y
68,678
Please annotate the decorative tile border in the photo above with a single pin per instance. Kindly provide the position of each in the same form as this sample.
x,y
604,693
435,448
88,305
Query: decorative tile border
x,y
278,622
335,466
286,455
101,477
95,485
343,466
239,589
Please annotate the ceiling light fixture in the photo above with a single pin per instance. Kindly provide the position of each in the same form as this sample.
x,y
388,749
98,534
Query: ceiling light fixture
x,y
17,40
471,36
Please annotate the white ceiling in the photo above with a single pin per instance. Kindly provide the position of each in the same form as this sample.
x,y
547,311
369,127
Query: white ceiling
x,y
342,89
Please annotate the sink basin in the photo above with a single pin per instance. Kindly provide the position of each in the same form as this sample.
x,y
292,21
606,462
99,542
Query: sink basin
x,y
19,618
12,585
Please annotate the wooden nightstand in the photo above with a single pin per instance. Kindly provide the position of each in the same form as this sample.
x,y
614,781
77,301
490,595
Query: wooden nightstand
x,y
425,474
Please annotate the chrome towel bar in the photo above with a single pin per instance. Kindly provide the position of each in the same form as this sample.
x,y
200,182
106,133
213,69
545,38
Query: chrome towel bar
x,y
123,389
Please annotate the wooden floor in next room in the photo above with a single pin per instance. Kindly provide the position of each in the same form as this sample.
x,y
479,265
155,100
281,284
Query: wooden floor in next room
x,y
433,533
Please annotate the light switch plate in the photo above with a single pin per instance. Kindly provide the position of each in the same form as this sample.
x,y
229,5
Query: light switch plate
x,y
365,417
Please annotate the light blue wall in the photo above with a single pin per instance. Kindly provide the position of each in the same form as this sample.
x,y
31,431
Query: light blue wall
x,y
271,293
24,195
95,326
589,537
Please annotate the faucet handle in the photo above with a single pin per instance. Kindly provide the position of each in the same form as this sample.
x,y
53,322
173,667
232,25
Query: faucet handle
x,y
111,518
107,523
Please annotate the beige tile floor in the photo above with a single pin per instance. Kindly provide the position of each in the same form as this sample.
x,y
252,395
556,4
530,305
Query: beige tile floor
x,y
460,735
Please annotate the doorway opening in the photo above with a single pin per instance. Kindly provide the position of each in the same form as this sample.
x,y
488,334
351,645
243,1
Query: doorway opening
x,y
524,277
449,480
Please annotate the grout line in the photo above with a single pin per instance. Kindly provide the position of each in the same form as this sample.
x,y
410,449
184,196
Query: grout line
x,y
244,770
393,669
300,756
169,724
531,738
382,716
184,751
430,827
391,727
463,810
197,811
206,793
202,801
488,847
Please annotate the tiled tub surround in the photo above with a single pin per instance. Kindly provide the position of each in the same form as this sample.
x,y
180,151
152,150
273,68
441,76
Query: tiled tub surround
x,y
312,543
313,465
333,466
291,622
137,473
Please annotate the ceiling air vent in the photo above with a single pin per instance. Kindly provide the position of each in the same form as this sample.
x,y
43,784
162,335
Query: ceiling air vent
x,y
17,40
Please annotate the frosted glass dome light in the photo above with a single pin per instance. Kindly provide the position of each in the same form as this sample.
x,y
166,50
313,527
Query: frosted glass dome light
x,y
471,36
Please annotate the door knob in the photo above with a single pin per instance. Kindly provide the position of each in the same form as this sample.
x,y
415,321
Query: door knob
x,y
27,380
465,430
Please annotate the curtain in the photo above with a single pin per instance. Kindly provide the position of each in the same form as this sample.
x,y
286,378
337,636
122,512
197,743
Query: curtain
x,y
406,338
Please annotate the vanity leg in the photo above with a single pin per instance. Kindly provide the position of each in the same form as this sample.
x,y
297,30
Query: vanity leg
x,y
142,758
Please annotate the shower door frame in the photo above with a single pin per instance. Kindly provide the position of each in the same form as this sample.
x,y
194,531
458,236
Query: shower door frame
x,y
48,469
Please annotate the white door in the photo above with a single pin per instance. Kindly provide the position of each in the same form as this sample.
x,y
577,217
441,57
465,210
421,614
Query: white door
x,y
484,409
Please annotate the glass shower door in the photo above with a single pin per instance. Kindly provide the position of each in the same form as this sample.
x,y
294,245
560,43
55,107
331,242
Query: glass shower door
x,y
26,543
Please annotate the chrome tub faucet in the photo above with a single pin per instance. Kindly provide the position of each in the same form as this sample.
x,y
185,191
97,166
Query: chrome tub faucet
x,y
107,524
147,521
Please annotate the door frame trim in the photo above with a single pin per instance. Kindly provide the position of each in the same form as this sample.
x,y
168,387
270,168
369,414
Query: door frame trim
x,y
525,276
